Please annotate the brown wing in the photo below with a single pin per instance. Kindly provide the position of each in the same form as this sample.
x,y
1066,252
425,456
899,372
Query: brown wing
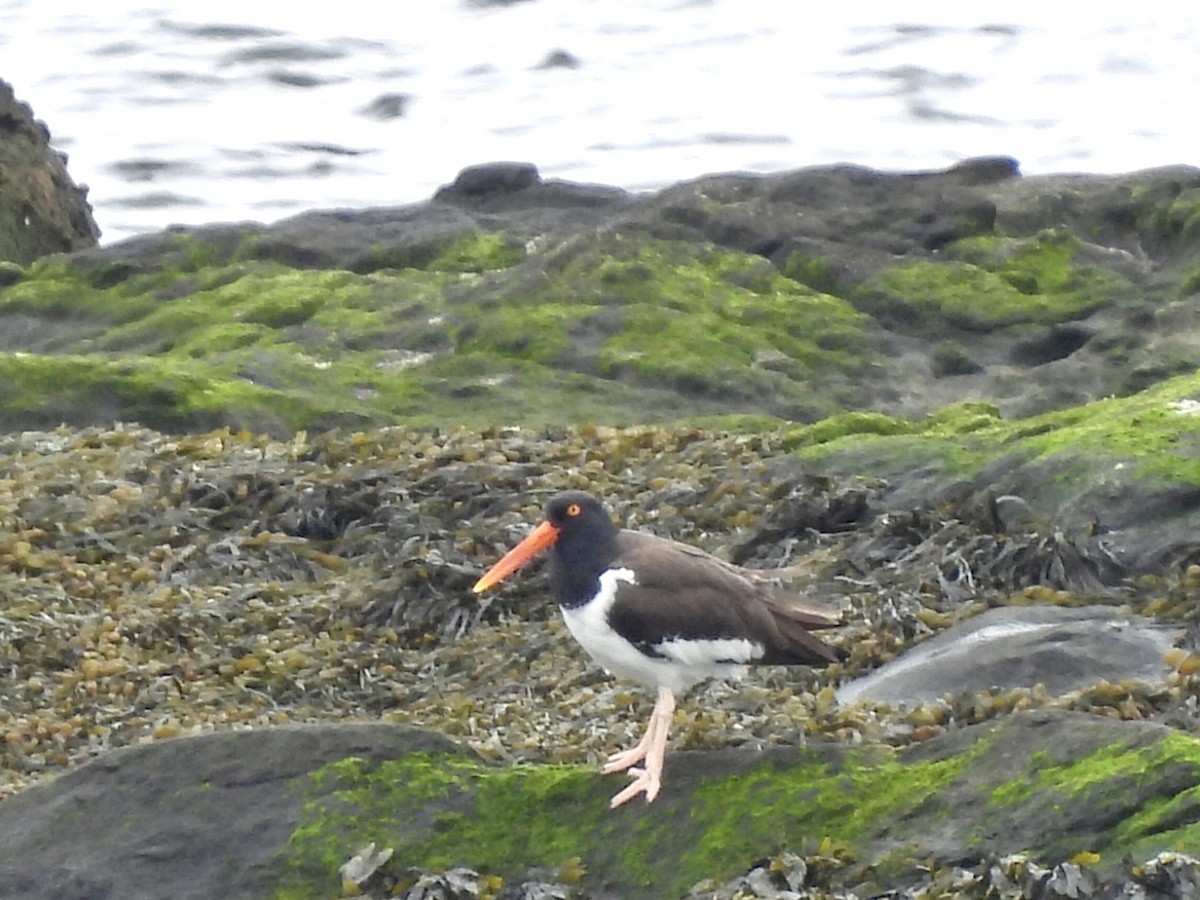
x,y
683,592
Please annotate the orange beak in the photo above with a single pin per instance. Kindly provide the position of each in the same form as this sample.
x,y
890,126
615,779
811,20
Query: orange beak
x,y
542,537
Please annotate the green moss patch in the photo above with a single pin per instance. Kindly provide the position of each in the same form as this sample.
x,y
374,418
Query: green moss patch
x,y
507,821
992,282
616,330
1151,435
1066,784
709,324
167,394
1111,784
479,251
1176,221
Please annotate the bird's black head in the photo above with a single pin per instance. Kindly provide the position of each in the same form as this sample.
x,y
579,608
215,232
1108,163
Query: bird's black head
x,y
578,512
582,541
586,545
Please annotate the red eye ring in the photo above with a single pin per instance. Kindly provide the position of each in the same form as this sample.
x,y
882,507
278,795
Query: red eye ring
x,y
574,509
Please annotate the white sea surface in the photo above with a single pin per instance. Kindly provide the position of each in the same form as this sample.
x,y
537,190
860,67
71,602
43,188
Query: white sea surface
x,y
192,113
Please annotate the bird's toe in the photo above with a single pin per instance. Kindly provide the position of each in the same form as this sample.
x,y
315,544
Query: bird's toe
x,y
644,782
622,760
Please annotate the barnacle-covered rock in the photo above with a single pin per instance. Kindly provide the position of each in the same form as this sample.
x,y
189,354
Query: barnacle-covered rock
x,y
1168,874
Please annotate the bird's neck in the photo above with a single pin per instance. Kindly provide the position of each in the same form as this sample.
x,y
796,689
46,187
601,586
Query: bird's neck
x,y
576,563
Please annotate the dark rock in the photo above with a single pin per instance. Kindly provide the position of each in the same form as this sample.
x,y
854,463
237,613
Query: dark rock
x,y
559,59
949,358
42,210
1119,211
986,169
892,214
476,182
517,189
10,273
1058,342
1016,748
364,240
193,817
387,106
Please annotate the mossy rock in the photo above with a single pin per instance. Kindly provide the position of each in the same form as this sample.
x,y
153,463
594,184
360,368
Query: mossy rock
x,y
795,296
624,332
42,211
992,283
1059,784
276,812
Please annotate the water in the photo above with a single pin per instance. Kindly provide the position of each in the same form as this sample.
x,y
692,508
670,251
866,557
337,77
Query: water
x,y
189,113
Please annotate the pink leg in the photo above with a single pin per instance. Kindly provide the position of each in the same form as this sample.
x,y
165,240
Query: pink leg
x,y
623,759
652,748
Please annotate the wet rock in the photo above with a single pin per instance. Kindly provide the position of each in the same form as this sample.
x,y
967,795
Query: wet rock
x,y
490,179
559,59
387,106
517,187
1061,648
1166,875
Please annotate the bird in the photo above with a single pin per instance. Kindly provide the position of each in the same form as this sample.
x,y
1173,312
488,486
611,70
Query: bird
x,y
662,613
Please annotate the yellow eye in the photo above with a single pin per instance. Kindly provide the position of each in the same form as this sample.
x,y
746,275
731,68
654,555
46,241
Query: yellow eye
x,y
574,509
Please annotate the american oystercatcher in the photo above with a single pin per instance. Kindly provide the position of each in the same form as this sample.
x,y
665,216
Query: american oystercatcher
x,y
661,613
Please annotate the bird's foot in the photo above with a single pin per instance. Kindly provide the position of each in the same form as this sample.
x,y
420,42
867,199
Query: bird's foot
x,y
623,759
644,782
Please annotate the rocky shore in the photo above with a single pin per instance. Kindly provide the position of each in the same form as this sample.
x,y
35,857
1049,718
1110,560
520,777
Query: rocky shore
x,y
241,621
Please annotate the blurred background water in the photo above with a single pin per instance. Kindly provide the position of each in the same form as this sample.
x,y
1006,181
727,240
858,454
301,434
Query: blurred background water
x,y
190,113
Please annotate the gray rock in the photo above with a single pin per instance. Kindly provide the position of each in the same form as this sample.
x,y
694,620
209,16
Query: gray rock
x,y
1062,648
189,818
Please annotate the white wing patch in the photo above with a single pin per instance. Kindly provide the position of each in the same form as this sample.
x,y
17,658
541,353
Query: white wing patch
x,y
733,651
686,662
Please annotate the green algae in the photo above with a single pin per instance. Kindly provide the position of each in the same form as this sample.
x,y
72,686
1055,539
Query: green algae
x,y
474,251
481,251
510,820
885,808
496,820
620,327
1166,822
166,394
1110,782
993,282
1176,220
817,272
719,325
617,330
1151,434
852,803
846,425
